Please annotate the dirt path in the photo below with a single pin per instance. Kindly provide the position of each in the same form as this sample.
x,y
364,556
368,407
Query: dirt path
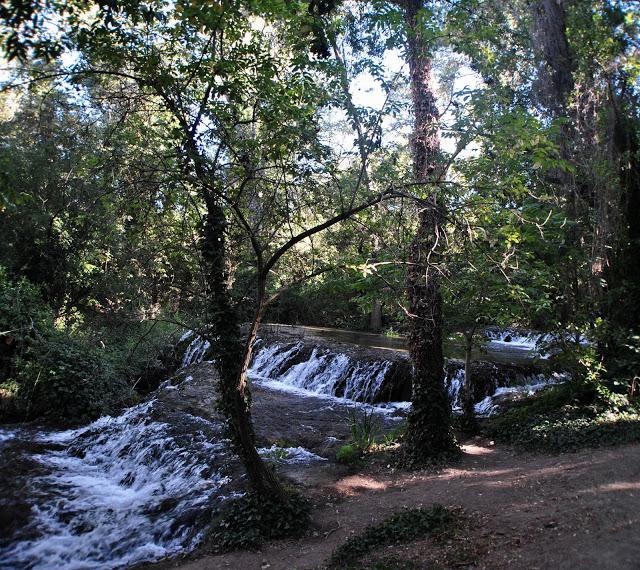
x,y
579,510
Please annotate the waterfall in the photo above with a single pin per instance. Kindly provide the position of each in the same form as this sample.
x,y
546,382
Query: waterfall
x,y
522,385
365,382
320,371
518,338
119,491
268,361
308,368
122,490
455,383
196,351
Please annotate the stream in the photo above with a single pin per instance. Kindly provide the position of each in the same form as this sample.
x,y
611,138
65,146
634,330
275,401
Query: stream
x,y
143,485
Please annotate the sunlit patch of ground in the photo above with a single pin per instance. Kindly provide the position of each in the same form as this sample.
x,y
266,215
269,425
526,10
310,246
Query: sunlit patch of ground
x,y
357,484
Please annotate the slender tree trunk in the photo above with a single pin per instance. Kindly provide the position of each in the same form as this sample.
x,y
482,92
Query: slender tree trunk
x,y
232,357
429,423
375,320
469,417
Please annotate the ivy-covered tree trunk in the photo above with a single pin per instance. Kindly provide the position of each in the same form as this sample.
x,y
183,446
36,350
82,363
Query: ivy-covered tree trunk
x,y
233,356
429,423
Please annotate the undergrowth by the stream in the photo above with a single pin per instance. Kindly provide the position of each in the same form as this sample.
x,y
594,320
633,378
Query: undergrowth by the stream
x,y
569,417
251,520
399,528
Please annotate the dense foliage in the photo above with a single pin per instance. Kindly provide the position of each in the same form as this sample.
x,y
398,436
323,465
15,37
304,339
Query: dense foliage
x,y
569,417
425,167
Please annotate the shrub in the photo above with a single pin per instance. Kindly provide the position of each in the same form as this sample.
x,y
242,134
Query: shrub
x,y
250,520
66,380
365,428
568,417
50,373
23,318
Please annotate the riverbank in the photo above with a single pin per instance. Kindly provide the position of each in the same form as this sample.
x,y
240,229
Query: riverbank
x,y
515,510
144,485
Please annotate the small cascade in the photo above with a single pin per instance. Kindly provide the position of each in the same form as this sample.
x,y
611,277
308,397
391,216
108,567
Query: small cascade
x,y
196,351
269,361
365,382
455,383
121,490
320,371
490,405
535,343
509,387
289,455
519,338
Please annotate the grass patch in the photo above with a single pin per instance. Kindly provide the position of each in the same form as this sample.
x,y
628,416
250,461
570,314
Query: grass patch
x,y
348,454
365,428
568,417
399,528
251,520
368,438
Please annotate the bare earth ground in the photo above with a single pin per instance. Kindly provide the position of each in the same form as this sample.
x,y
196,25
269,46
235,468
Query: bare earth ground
x,y
515,510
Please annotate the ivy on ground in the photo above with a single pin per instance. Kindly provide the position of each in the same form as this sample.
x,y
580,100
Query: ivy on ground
x,y
569,417
402,527
253,519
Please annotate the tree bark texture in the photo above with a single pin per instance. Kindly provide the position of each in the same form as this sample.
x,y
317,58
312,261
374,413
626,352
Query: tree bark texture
x,y
375,319
429,423
233,356
555,81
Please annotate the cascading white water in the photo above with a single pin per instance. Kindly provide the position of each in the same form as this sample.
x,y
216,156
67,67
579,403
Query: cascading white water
x,y
321,372
524,339
141,486
196,351
288,455
268,360
327,373
454,387
489,406
132,488
530,343
121,490
364,383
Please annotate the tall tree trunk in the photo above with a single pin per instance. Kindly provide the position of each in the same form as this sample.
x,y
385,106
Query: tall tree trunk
x,y
375,318
233,356
429,424
555,76
553,87
589,140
